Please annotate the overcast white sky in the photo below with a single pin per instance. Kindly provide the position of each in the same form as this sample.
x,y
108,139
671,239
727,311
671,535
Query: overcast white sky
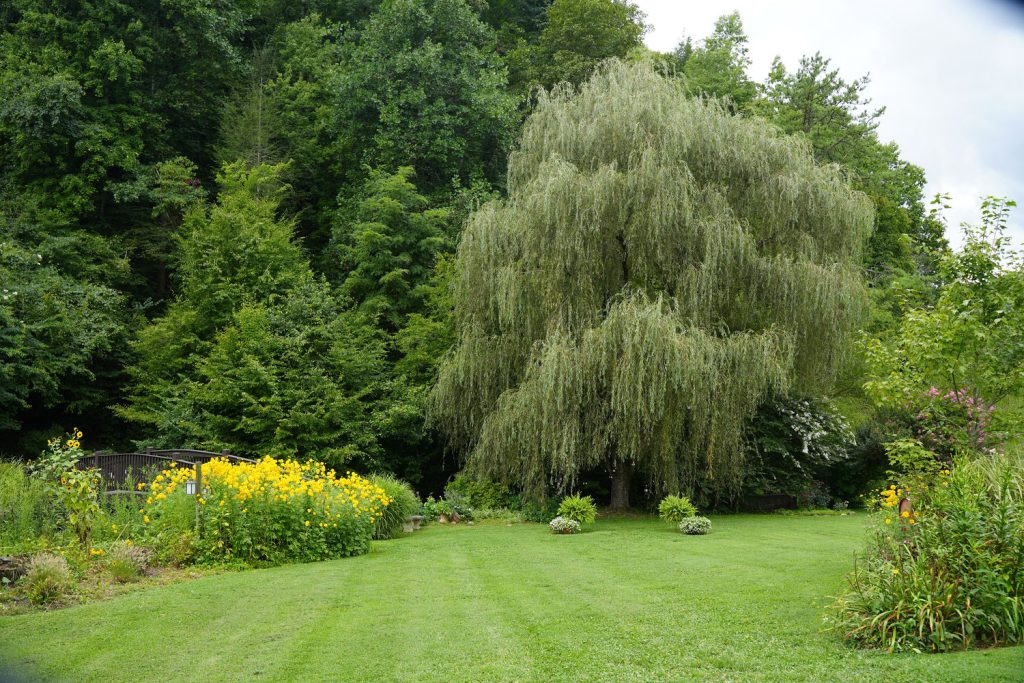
x,y
949,72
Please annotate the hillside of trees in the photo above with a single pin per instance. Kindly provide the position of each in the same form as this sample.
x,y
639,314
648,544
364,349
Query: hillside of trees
x,y
228,224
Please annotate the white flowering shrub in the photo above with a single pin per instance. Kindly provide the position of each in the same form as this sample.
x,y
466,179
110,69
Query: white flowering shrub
x,y
563,525
695,526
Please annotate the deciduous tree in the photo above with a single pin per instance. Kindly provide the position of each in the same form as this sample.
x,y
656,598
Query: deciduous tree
x,y
658,269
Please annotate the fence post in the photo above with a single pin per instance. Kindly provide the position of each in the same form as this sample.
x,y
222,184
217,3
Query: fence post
x,y
96,460
199,494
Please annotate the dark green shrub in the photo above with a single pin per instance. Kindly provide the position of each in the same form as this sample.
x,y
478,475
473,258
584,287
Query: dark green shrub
x,y
47,579
674,509
791,443
404,503
578,508
540,512
481,494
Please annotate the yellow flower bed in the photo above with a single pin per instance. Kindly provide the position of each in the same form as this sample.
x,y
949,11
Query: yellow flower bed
x,y
269,511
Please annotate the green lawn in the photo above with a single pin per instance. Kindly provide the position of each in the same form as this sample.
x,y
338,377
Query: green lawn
x,y
628,601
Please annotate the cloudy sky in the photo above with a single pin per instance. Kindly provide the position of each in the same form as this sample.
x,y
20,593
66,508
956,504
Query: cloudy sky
x,y
949,72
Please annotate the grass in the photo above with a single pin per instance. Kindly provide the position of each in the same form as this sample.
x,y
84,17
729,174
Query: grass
x,y
629,600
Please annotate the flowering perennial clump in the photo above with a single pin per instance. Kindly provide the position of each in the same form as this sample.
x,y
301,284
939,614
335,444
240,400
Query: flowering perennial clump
x,y
564,525
944,567
266,512
695,526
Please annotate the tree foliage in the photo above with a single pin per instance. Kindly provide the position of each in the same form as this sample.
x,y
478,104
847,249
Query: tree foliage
x,y
314,318
718,67
838,119
421,88
389,253
62,328
255,354
971,340
579,34
659,268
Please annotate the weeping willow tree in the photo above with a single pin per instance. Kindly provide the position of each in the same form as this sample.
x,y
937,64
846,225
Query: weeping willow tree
x,y
659,269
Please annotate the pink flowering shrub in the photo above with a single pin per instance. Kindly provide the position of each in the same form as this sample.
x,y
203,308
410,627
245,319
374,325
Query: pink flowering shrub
x,y
949,422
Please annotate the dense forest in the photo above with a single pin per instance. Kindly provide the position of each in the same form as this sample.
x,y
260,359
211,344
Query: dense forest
x,y
231,224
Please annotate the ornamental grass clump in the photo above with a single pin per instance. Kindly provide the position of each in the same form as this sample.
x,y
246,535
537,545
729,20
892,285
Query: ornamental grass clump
x,y
47,579
125,561
674,509
580,509
695,526
404,503
944,565
268,512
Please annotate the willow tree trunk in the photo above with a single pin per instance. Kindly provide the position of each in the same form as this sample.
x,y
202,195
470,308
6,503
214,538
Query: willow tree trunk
x,y
622,478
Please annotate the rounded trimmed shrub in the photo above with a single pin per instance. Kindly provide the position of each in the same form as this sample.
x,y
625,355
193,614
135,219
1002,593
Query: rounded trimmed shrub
x,y
695,526
564,525
674,509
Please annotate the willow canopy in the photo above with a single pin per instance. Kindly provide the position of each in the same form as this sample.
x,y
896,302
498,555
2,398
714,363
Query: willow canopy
x,y
658,270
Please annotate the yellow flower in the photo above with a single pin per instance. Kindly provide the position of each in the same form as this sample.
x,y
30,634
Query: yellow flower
x,y
307,522
913,522
145,519
78,435
905,514
113,527
888,520
895,571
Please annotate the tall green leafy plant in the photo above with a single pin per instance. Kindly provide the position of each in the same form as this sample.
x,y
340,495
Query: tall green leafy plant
x,y
580,509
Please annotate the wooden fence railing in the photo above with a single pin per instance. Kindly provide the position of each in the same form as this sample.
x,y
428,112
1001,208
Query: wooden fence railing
x,y
118,468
